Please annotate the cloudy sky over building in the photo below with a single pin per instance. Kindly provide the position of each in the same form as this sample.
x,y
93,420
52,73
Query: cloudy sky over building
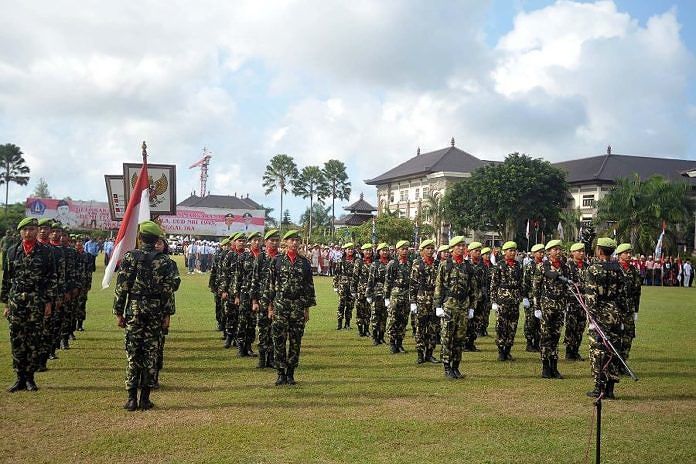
x,y
82,84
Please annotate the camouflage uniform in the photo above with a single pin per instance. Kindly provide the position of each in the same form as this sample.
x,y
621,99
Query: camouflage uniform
x,y
241,288
88,262
28,283
228,271
361,272
552,297
396,288
532,329
481,283
73,287
506,291
290,289
455,290
632,282
422,291
575,317
343,277
213,285
375,291
484,321
55,321
169,308
259,281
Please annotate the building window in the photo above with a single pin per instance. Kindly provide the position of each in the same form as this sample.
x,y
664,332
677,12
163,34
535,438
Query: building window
x,y
403,195
586,221
425,192
588,201
391,197
417,194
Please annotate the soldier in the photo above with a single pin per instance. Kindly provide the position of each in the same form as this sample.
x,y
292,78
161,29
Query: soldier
x,y
73,287
484,322
422,291
552,293
63,295
575,318
532,329
361,272
396,294
241,289
213,284
375,295
480,273
27,293
145,285
454,293
227,272
169,306
605,298
632,283
259,303
343,275
86,267
290,293
506,295
48,330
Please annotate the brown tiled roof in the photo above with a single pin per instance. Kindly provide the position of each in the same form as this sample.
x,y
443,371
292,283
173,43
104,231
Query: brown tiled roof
x,y
360,206
353,219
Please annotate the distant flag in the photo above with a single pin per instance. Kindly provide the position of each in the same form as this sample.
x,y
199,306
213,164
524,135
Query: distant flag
x,y
560,230
137,211
527,234
374,231
658,247
493,260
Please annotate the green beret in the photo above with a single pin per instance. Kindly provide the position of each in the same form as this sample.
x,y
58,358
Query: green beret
x,y
606,242
225,241
27,221
348,245
443,248
426,243
456,240
623,247
149,228
475,246
553,244
45,222
56,225
485,250
291,234
509,245
251,235
577,247
401,244
538,247
366,246
382,246
240,236
271,234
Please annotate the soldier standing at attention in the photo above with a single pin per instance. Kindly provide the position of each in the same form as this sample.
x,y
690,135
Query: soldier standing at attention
x,y
290,293
454,292
62,296
88,269
144,281
343,276
482,325
213,283
361,272
480,280
74,286
375,295
169,306
241,289
27,293
228,271
575,318
396,288
532,329
422,293
506,295
48,331
632,282
551,288
259,303
605,296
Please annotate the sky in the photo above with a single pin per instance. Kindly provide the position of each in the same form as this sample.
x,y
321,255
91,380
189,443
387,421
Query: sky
x,y
83,83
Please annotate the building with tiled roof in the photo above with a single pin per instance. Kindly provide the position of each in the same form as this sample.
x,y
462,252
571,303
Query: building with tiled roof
x,y
359,213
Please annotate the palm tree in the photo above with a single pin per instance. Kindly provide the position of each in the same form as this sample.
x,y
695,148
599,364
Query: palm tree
x,y
13,168
570,219
280,173
338,186
433,211
309,184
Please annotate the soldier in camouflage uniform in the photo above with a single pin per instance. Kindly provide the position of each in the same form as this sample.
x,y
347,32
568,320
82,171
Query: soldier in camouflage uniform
x,y
27,292
87,267
343,277
241,289
575,318
290,293
632,282
259,303
47,334
532,328
74,285
144,287
455,289
422,291
169,307
506,295
62,295
480,279
374,293
483,323
228,271
213,284
551,292
361,272
396,294
605,296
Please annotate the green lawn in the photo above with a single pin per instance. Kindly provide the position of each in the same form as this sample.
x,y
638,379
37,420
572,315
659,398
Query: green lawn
x,y
354,402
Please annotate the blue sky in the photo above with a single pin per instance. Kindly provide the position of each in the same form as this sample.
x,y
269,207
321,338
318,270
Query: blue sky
x,y
366,82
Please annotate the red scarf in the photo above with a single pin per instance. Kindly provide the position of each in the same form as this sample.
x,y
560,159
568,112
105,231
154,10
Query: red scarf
x,y
272,253
383,260
458,259
28,246
368,260
44,241
475,260
624,265
292,256
255,252
511,262
403,260
55,243
349,258
556,263
428,261
538,260
580,264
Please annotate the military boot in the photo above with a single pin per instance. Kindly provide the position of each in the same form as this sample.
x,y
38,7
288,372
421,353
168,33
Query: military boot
x,y
393,347
31,385
340,323
291,376
132,403
282,379
545,369
20,384
569,353
269,358
598,390
64,344
610,390
145,402
381,337
508,356
241,350
501,354
554,369
375,337
262,360
400,345
578,357
455,370
347,326
249,350
430,358
530,346
80,328
420,358
155,380
228,340
448,371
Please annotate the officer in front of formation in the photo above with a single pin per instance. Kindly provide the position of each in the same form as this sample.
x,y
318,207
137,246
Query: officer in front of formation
x,y
27,292
396,288
506,295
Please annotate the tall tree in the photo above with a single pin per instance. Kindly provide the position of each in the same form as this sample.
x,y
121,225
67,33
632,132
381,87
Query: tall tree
x,y
269,220
320,217
338,186
310,183
280,173
12,168
433,211
390,229
41,189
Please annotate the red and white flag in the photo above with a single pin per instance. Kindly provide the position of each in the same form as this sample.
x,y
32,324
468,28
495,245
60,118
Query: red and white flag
x,y
137,211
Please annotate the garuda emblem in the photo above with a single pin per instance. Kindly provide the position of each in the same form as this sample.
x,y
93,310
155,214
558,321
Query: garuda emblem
x,y
156,188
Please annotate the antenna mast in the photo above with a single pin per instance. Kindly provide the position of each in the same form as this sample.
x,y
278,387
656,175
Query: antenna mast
x,y
203,163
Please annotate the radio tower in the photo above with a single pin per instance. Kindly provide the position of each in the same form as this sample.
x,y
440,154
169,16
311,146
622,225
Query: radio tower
x,y
203,163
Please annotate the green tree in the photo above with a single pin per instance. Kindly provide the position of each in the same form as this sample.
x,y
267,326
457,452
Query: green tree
x,y
41,189
337,186
637,208
503,196
390,229
570,220
279,174
310,183
269,220
320,217
431,214
12,168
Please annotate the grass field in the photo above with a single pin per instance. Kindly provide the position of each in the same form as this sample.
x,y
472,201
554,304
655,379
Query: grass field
x,y
354,402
